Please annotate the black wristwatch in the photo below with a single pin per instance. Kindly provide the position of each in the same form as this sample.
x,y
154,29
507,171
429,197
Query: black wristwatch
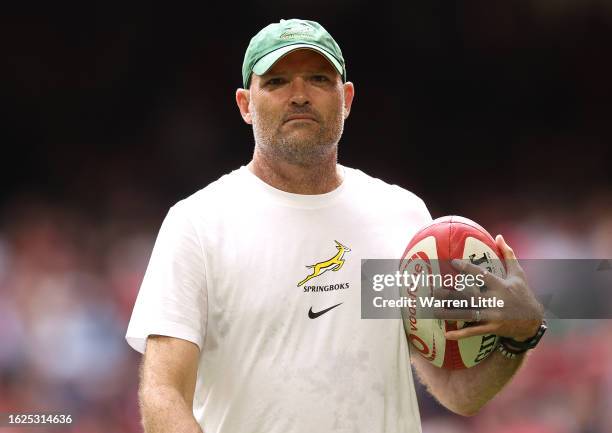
x,y
511,348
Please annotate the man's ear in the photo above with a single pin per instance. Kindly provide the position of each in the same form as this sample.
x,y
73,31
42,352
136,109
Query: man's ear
x,y
243,97
349,94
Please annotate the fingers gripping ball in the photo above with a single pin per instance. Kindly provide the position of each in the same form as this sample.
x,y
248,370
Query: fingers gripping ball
x,y
445,239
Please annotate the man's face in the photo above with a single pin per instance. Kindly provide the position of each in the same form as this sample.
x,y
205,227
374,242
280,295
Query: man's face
x,y
298,108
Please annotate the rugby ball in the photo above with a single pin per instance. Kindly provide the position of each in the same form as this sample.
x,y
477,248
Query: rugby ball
x,y
430,251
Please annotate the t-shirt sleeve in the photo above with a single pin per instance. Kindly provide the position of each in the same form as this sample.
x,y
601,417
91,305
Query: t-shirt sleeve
x,y
172,300
426,214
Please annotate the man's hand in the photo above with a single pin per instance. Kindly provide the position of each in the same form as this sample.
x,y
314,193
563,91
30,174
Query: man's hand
x,y
519,318
466,391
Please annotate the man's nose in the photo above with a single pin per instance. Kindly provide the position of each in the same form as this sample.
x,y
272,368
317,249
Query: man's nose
x,y
299,92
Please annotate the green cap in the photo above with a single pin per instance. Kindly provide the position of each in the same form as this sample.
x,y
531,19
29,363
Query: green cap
x,y
278,39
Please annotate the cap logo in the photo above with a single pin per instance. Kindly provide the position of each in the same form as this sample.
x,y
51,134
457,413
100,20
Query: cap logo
x,y
298,31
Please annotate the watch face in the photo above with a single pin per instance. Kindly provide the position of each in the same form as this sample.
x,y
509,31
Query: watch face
x,y
507,354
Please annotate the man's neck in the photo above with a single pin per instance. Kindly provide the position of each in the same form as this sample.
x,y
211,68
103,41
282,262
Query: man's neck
x,y
321,178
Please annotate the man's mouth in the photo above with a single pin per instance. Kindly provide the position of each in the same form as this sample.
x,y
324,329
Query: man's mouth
x,y
300,117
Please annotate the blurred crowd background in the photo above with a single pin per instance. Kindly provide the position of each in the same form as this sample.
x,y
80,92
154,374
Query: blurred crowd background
x,y
497,111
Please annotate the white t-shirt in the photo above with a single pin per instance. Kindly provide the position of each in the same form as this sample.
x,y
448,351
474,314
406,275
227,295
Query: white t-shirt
x,y
226,273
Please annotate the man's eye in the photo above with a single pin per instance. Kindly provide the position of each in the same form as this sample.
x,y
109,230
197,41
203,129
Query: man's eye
x,y
274,81
320,78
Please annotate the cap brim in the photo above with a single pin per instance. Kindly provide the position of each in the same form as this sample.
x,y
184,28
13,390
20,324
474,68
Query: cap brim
x,y
266,62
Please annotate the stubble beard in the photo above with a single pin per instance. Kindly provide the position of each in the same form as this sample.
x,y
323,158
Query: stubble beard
x,y
299,148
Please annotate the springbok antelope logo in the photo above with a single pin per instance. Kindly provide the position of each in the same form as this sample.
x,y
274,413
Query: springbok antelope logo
x,y
333,264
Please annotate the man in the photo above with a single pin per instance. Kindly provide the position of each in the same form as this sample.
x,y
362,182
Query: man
x,y
250,306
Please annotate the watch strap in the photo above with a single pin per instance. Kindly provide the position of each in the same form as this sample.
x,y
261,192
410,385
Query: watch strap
x,y
518,347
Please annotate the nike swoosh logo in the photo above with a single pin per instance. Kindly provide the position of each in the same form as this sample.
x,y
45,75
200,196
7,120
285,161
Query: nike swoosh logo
x,y
313,315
